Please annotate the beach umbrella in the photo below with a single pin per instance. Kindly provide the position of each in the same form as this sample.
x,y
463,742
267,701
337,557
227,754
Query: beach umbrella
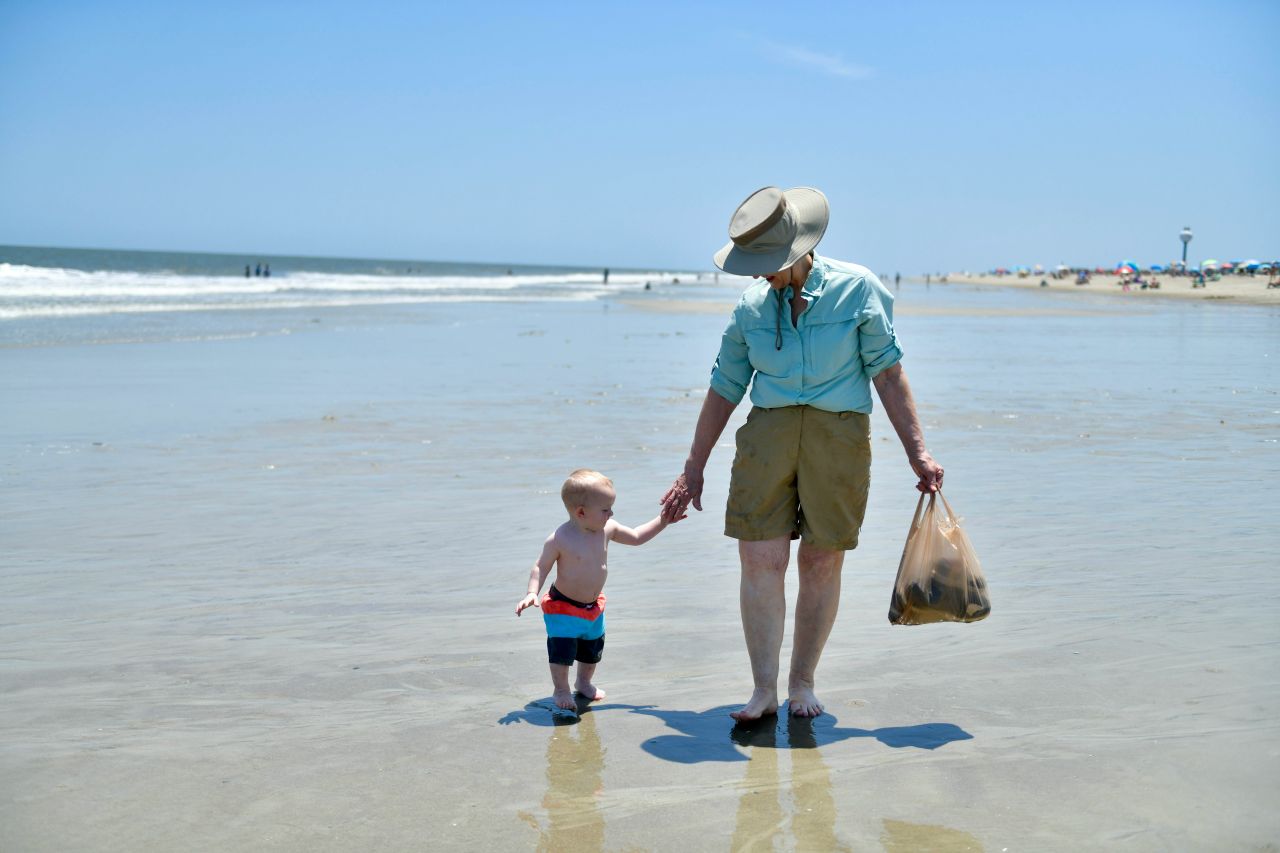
x,y
1226,265
1251,264
1126,266
1209,263
1157,268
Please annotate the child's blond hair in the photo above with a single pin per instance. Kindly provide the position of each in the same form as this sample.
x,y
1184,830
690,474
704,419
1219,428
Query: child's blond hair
x,y
580,484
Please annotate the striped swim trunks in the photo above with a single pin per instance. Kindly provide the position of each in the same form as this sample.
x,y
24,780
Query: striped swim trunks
x,y
575,631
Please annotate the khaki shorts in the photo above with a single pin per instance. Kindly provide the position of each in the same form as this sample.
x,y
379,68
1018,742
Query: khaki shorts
x,y
800,471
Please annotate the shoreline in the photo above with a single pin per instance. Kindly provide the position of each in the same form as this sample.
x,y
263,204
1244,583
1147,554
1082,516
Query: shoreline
x,y
1239,290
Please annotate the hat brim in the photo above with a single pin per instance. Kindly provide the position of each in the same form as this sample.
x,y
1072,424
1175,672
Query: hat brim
x,y
812,214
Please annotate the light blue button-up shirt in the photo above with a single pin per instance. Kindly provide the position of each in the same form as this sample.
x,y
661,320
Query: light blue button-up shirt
x,y
842,339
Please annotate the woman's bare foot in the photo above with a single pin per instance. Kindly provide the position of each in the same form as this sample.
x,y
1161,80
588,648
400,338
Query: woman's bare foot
x,y
762,703
802,702
589,690
564,699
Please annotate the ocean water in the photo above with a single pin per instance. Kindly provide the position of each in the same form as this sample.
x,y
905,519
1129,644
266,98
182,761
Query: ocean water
x,y
52,295
259,585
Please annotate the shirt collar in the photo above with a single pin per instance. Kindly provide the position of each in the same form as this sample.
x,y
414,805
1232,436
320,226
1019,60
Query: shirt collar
x,y
817,280
814,284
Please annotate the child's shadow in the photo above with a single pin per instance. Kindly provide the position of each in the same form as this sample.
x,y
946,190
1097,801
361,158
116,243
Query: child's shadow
x,y
545,712
713,735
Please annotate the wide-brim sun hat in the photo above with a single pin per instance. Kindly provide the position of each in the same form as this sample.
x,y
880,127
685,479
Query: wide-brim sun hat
x,y
773,229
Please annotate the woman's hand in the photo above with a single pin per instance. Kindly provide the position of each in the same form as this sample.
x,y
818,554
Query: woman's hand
x,y
929,472
687,489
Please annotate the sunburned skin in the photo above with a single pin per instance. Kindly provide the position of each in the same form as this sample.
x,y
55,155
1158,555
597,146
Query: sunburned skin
x,y
578,551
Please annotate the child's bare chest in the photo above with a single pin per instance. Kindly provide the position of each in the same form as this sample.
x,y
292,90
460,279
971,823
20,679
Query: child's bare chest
x,y
591,558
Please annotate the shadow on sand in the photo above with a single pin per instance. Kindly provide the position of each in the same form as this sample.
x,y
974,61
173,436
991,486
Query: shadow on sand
x,y
712,735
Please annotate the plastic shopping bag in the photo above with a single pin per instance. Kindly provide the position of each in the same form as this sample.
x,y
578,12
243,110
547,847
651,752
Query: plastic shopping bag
x,y
939,578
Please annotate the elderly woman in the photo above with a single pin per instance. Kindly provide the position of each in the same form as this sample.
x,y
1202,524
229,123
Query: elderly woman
x,y
809,341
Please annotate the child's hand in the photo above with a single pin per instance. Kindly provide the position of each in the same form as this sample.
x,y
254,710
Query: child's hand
x,y
530,600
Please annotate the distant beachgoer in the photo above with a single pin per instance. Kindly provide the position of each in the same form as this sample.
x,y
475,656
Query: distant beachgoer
x,y
926,278
246,270
1044,283
257,269
606,275
897,280
266,270
573,608
803,464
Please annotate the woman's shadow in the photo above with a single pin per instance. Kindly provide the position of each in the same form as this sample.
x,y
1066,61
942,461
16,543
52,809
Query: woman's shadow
x,y
701,735
712,735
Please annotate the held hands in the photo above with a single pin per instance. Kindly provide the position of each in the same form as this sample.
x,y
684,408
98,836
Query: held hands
x,y
685,490
929,472
530,600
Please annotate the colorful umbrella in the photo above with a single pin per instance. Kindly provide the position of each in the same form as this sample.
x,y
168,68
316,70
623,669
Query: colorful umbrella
x,y
1157,268
1209,263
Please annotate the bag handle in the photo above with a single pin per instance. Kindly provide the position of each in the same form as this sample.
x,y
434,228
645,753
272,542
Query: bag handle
x,y
915,526
950,511
919,516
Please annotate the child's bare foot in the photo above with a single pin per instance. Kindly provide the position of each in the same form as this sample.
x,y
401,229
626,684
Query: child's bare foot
x,y
564,699
802,702
762,703
589,691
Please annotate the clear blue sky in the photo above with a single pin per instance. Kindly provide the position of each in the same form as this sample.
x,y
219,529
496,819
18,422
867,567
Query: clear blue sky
x,y
947,135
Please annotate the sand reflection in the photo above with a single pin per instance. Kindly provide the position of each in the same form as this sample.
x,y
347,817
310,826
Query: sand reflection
x,y
763,818
575,782
902,837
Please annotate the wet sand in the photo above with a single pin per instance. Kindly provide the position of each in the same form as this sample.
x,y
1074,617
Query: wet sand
x,y
257,593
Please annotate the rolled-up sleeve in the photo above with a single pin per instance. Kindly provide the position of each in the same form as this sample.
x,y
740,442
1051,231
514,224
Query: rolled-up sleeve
x,y
878,345
732,371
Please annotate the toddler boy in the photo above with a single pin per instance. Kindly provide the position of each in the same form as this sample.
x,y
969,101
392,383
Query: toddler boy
x,y
573,608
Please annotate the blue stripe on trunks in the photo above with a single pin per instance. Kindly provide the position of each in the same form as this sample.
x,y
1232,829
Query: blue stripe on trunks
x,y
562,625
